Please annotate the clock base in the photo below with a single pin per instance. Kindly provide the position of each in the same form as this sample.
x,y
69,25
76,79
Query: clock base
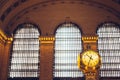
x,y
91,76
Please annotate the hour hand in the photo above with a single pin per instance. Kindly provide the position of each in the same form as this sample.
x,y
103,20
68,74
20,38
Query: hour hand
x,y
91,58
88,56
89,61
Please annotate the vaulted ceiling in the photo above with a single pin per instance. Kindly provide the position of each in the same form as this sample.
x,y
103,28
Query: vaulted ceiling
x,y
14,12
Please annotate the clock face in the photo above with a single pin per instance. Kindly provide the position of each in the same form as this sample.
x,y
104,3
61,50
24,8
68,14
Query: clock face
x,y
90,58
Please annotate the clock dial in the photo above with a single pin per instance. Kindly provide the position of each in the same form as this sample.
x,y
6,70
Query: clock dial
x,y
90,58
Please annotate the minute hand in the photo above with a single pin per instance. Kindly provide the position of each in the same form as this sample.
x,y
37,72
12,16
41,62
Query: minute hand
x,y
90,57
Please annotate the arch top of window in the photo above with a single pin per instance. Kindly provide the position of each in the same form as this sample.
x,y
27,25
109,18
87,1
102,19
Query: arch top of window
x,y
25,26
67,24
108,25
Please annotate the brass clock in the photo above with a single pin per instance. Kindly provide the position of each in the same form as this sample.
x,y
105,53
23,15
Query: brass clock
x,y
90,58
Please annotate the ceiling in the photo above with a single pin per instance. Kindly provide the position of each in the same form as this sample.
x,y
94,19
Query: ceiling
x,y
11,10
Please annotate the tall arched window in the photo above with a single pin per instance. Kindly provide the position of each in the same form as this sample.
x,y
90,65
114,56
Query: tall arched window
x,y
67,47
24,58
109,49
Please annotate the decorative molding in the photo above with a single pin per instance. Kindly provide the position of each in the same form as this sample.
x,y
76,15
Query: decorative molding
x,y
11,8
89,39
47,39
55,2
3,2
91,76
9,40
4,38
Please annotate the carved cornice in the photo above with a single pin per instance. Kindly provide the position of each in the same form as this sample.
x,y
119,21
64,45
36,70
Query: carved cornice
x,y
89,39
3,2
4,38
9,40
47,39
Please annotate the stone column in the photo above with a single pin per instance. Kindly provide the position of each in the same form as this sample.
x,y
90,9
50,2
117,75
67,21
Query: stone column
x,y
2,44
3,39
5,59
46,57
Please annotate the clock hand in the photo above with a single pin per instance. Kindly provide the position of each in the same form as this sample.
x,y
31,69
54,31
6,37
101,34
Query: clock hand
x,y
89,61
90,57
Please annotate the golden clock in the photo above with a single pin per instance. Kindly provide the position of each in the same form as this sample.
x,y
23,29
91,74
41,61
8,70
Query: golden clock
x,y
90,58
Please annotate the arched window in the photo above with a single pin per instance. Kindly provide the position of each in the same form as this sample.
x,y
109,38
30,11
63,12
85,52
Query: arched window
x,y
24,58
109,49
67,47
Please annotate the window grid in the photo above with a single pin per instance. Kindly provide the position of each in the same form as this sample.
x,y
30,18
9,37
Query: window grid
x,y
109,49
25,53
67,47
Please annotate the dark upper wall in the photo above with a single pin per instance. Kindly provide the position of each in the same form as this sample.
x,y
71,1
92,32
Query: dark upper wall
x,y
48,14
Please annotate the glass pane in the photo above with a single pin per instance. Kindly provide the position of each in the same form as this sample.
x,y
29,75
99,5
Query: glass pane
x,y
25,52
67,47
109,49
